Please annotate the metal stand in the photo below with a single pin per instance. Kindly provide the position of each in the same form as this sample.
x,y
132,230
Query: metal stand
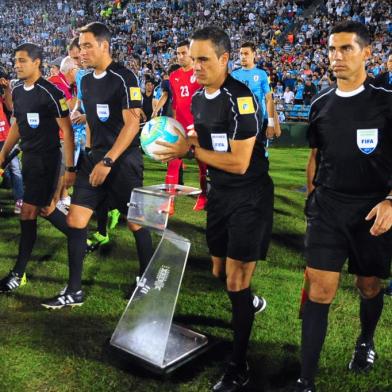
x,y
145,330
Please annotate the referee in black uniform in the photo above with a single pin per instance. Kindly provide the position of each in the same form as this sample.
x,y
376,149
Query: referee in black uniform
x,y
114,166
240,203
349,208
40,110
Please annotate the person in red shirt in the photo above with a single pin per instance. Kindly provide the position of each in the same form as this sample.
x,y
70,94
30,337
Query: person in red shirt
x,y
183,85
14,169
63,80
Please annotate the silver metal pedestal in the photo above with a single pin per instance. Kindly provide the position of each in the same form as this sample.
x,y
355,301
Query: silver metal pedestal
x,y
145,330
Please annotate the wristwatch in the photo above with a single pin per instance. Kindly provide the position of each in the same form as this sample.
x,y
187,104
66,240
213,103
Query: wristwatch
x,y
108,162
71,169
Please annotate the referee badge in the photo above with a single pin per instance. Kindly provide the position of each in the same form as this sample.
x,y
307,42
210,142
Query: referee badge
x,y
63,104
245,105
103,112
136,94
367,140
33,119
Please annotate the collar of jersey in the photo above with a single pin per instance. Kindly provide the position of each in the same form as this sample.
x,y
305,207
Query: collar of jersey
x,y
348,94
100,76
28,88
213,95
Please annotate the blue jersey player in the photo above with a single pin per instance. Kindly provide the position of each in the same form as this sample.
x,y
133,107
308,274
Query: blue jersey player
x,y
257,81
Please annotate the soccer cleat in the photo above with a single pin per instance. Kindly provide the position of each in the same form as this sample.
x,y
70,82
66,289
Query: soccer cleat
x,y
113,217
259,304
64,299
234,379
18,206
201,203
11,282
96,241
303,385
363,357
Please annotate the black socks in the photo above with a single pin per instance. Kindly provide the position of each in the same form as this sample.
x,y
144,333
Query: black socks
x,y
243,316
58,220
314,329
144,248
77,239
370,311
28,235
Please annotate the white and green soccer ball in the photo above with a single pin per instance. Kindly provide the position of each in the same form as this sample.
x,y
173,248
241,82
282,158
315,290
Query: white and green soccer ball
x,y
162,129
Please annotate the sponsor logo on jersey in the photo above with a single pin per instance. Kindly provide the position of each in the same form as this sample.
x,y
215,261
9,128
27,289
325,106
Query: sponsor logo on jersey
x,y
367,140
193,78
135,93
33,119
63,104
103,112
245,105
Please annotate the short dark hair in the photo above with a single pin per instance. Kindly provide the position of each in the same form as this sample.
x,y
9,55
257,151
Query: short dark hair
x,y
249,45
185,42
99,30
173,68
357,28
34,51
217,36
74,43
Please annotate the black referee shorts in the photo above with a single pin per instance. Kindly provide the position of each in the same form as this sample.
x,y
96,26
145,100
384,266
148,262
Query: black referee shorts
x,y
126,174
40,172
239,221
337,230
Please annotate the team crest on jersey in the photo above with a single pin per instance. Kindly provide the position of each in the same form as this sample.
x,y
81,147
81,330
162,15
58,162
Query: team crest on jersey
x,y
63,104
33,119
193,78
136,94
103,112
367,140
256,78
245,105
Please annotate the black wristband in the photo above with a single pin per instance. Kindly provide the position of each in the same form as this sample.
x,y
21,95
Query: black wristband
x,y
71,169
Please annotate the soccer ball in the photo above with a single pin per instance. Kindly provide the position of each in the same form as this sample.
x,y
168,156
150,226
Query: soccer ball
x,y
162,129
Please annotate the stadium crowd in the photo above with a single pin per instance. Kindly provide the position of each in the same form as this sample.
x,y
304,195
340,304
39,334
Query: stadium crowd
x,y
291,43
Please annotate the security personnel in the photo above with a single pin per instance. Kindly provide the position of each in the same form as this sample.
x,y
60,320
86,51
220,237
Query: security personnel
x,y
349,208
240,203
40,110
112,101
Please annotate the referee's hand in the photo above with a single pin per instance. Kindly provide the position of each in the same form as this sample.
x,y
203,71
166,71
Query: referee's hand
x,y
383,214
99,174
173,150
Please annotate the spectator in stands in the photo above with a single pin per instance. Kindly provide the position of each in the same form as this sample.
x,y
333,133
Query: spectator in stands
x,y
310,91
288,96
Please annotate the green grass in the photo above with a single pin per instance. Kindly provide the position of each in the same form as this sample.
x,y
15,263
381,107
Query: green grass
x,y
65,350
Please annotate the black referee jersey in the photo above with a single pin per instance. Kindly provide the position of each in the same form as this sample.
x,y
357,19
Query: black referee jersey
x,y
231,113
104,98
353,133
36,109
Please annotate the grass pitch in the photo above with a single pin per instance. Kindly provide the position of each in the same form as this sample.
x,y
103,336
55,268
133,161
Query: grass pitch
x,y
64,350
